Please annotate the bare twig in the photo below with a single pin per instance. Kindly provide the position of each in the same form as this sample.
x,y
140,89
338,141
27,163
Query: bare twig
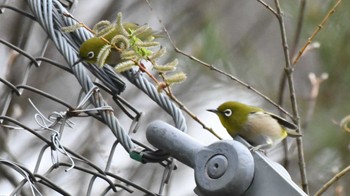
x,y
332,181
213,68
167,90
192,115
315,84
185,109
300,54
282,83
268,7
319,27
295,42
143,69
289,73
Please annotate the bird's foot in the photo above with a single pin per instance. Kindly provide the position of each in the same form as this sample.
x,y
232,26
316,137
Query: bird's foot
x,y
259,148
256,148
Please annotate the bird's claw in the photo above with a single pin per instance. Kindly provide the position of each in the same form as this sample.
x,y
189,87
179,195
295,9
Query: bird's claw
x,y
256,148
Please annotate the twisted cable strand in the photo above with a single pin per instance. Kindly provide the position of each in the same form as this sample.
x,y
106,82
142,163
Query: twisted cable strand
x,y
162,100
49,13
43,11
142,83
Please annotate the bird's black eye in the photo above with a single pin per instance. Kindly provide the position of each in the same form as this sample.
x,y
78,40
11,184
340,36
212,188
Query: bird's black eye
x,y
90,55
228,112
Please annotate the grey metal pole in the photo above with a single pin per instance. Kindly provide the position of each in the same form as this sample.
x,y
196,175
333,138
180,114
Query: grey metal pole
x,y
222,168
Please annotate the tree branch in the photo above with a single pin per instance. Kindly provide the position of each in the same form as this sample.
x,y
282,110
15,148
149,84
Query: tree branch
x,y
332,181
289,73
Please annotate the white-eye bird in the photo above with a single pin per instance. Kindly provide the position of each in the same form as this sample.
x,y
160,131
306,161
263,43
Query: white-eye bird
x,y
258,127
90,49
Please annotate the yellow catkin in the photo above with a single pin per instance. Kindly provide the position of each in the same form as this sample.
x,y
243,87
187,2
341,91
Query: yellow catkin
x,y
171,66
103,54
158,54
124,66
176,78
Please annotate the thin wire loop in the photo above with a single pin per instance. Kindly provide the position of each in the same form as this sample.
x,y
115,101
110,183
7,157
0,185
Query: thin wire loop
x,y
49,14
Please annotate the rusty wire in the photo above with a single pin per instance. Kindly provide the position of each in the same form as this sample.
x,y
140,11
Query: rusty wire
x,y
49,14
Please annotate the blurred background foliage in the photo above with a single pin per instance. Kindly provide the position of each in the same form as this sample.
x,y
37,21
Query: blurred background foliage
x,y
240,37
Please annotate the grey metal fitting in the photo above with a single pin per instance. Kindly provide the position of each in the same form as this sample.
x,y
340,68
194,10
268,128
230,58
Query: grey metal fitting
x,y
222,168
225,167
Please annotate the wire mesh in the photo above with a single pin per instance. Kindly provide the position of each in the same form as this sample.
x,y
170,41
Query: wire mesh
x,y
49,131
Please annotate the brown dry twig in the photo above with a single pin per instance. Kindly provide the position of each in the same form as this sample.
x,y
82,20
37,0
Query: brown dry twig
x,y
170,94
283,79
166,88
332,181
214,68
268,7
313,35
290,79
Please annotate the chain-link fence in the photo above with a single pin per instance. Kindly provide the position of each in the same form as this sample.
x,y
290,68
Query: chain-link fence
x,y
80,130
38,115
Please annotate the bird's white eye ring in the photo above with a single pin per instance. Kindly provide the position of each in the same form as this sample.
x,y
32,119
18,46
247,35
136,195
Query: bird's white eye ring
x,y
228,112
90,54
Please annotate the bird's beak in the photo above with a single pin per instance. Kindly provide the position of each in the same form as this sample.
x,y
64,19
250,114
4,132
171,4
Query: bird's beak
x,y
213,110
